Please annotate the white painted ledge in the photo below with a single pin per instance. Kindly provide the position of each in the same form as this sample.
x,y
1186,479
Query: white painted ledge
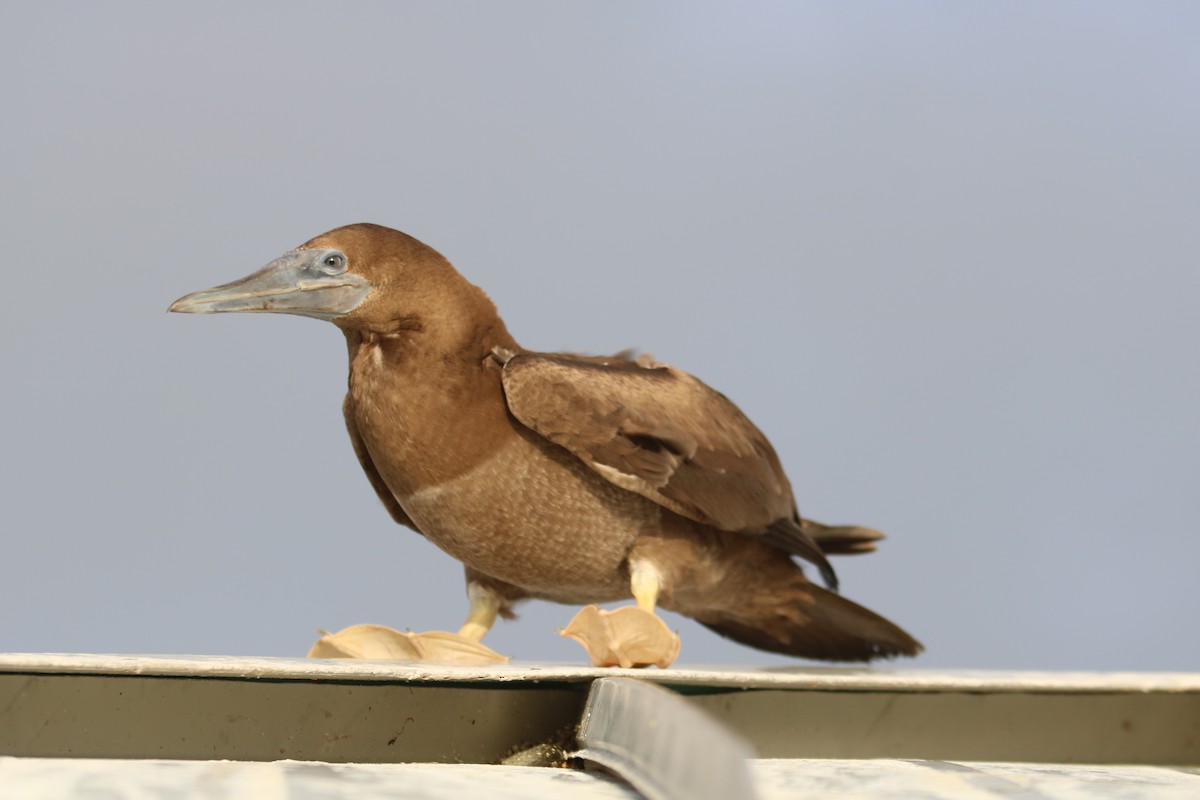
x,y
863,679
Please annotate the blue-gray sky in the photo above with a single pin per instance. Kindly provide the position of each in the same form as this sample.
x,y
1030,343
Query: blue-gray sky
x,y
944,254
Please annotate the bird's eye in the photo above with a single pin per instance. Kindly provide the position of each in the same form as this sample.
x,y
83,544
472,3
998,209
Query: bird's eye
x,y
333,264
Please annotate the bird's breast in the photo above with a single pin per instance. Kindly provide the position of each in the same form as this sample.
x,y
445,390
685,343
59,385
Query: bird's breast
x,y
487,490
534,516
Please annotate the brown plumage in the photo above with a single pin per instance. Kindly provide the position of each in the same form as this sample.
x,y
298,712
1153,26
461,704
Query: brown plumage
x,y
557,476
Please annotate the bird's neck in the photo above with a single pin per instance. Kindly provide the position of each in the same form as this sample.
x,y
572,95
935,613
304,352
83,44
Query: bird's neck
x,y
426,395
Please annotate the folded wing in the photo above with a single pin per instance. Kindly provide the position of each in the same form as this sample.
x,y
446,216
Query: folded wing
x,y
658,431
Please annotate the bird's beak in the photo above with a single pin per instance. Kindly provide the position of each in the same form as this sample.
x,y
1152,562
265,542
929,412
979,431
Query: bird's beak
x,y
311,283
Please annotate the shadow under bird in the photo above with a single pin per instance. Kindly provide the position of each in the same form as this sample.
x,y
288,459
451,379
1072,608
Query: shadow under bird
x,y
569,478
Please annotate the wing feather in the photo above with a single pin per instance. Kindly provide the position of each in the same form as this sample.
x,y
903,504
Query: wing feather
x,y
660,432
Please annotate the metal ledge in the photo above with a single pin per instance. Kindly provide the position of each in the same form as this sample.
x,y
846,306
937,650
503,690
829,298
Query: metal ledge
x,y
376,712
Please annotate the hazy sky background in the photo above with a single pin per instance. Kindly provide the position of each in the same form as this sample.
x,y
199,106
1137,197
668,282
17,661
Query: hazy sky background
x,y
943,254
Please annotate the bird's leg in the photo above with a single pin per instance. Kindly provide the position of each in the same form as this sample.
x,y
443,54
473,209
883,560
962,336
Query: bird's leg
x,y
467,644
632,636
485,605
645,581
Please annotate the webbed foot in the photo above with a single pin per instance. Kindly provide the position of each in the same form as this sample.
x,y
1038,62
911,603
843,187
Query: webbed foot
x,y
626,637
379,642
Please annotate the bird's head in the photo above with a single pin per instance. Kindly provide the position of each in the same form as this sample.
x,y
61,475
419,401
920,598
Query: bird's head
x,y
359,276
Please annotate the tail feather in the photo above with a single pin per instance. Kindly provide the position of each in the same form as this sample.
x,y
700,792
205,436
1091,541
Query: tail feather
x,y
841,540
807,621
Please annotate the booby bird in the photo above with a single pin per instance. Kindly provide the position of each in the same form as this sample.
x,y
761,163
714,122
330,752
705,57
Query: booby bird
x,y
568,478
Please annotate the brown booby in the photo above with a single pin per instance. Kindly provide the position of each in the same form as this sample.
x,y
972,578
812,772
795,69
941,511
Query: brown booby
x,y
569,478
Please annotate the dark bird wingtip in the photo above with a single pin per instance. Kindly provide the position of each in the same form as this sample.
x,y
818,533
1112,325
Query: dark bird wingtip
x,y
829,577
